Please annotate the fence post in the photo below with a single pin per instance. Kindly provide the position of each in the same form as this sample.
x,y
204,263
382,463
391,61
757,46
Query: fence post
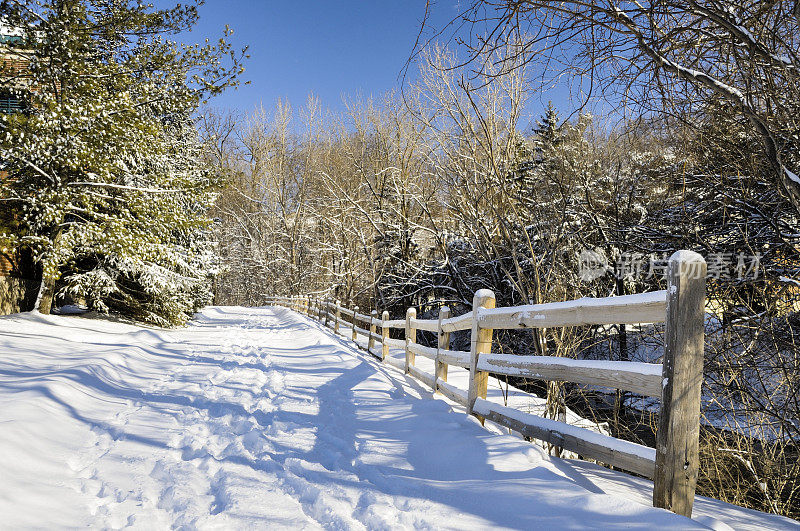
x,y
337,316
480,343
677,440
440,370
384,335
411,337
355,334
326,305
373,316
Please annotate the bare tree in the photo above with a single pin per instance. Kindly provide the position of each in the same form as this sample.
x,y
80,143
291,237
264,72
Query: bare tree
x,y
688,54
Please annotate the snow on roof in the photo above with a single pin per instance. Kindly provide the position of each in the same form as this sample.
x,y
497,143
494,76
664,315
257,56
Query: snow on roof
x,y
6,30
9,33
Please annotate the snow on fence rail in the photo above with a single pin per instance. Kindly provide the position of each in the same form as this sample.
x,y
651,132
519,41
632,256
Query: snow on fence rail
x,y
673,464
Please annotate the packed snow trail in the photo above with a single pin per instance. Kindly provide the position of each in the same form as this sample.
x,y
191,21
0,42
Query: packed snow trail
x,y
261,418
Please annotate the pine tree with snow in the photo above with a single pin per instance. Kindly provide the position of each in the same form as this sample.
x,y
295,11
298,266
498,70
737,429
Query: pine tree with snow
x,y
548,131
104,171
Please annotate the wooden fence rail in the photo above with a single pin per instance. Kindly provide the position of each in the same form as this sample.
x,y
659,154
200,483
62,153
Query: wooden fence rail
x,y
673,464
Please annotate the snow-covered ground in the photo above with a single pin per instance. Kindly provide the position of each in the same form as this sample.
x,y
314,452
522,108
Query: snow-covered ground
x,y
261,418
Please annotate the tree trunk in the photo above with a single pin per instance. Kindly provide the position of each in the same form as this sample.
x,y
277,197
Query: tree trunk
x,y
46,295
47,290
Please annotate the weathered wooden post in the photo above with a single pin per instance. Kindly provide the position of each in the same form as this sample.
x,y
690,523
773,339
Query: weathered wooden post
x,y
411,337
373,317
677,441
480,343
440,370
337,316
355,320
384,335
326,306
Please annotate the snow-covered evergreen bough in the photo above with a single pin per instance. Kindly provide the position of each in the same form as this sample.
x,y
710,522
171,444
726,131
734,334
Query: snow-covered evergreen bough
x,y
102,169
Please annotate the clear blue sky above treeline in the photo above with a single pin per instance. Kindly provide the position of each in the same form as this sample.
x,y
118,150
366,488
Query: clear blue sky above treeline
x,y
329,48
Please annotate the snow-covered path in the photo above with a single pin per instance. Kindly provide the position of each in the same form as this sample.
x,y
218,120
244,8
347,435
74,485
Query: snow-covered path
x,y
260,418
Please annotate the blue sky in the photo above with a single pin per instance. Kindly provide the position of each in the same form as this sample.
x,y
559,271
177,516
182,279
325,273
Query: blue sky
x,y
331,48
326,47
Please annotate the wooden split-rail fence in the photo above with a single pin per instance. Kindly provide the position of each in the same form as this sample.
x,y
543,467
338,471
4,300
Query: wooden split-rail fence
x,y
673,464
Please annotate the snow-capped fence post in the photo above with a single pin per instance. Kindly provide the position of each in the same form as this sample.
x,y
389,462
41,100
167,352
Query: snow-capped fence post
x,y
480,343
355,320
373,316
384,335
677,442
440,370
337,316
411,337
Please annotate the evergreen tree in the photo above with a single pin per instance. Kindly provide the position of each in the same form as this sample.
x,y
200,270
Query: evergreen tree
x,y
104,171
548,130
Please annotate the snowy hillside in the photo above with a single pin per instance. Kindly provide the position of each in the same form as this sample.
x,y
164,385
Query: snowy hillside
x,y
260,418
